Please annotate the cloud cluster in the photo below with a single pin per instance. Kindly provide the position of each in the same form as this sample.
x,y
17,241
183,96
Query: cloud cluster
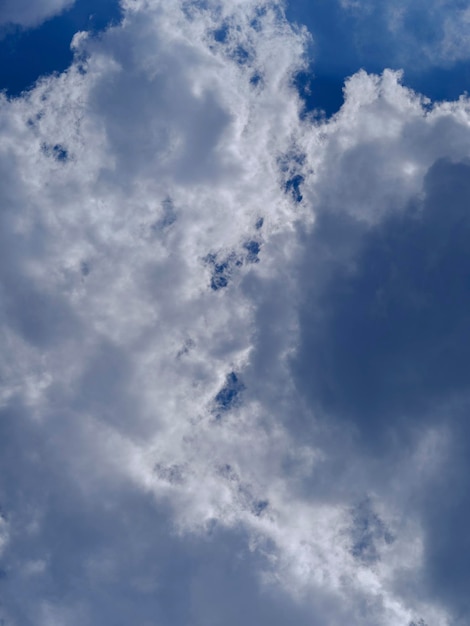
x,y
234,365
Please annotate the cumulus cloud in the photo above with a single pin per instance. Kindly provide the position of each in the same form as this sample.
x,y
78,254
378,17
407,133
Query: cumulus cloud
x,y
229,377
30,14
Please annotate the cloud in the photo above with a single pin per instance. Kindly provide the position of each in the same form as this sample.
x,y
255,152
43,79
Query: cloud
x,y
194,287
31,14
116,346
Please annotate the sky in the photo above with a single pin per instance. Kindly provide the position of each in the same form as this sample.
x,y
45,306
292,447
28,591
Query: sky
x,y
234,313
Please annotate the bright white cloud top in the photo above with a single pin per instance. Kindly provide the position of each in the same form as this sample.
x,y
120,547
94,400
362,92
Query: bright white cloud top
x,y
165,247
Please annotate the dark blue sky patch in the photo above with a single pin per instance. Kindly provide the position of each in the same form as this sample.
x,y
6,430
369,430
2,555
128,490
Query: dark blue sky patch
x,y
440,83
229,396
238,53
293,187
333,51
57,152
256,23
291,165
222,269
221,34
241,55
256,80
26,55
253,249
221,272
322,95
219,279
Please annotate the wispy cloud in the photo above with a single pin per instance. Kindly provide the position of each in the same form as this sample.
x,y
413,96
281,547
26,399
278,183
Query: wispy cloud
x,y
31,14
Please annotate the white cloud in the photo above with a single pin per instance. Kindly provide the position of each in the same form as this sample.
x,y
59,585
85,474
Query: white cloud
x,y
149,401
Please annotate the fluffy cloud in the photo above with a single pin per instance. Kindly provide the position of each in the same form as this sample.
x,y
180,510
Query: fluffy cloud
x,y
30,14
203,301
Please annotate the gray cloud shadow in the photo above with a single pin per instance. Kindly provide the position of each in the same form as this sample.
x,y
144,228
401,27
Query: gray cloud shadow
x,y
385,349
110,552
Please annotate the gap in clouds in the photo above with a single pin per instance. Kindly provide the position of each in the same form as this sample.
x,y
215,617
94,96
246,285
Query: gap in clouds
x,y
28,54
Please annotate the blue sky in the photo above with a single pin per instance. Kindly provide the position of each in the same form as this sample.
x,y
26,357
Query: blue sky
x,y
234,313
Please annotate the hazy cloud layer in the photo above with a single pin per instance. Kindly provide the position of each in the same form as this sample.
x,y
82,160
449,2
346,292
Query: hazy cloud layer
x,y
433,32
30,14
235,342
